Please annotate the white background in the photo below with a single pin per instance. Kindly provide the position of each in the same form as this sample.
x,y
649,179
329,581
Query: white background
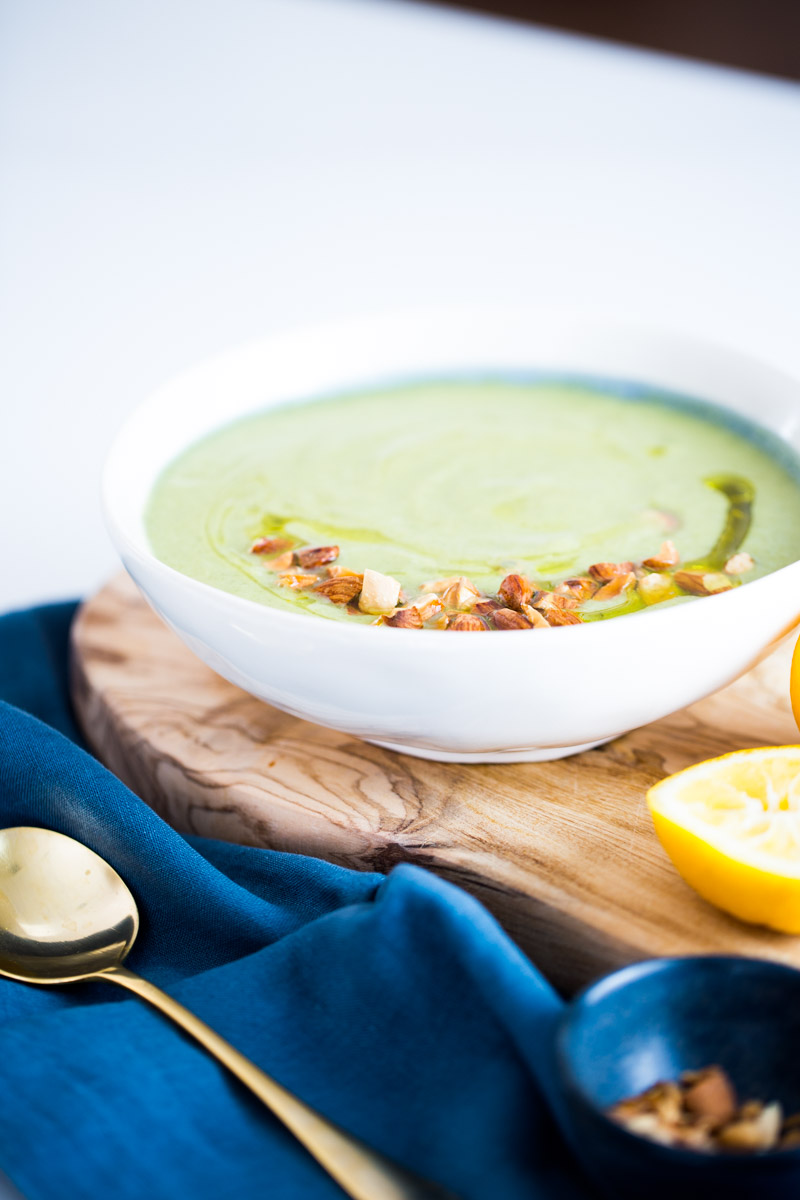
x,y
179,177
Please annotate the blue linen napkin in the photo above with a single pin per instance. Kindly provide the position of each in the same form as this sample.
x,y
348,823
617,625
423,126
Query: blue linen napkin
x,y
395,1005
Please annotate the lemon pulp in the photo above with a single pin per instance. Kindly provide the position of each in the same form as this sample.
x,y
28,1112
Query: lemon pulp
x,y
732,828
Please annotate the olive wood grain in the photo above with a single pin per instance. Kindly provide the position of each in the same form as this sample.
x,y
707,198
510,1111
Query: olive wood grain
x,y
563,853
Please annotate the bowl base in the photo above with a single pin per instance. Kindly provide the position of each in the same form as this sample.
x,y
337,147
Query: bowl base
x,y
540,754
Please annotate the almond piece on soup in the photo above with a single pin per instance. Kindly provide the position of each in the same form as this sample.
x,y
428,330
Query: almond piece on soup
x,y
605,571
466,623
461,594
270,545
440,585
405,618
507,618
316,556
616,586
667,556
702,583
544,601
379,593
739,564
335,571
281,563
580,589
486,606
428,606
655,588
536,618
515,590
298,582
340,589
562,616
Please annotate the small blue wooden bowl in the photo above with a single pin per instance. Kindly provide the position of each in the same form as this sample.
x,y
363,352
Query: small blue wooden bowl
x,y
653,1020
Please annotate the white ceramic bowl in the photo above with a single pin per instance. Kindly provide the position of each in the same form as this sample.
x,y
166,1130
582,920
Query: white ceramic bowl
x,y
520,696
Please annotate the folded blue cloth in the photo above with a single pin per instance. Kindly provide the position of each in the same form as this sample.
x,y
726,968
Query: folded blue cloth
x,y
396,1006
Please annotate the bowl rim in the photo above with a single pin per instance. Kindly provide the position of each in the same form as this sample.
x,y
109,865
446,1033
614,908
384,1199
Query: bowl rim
x,y
630,975
297,334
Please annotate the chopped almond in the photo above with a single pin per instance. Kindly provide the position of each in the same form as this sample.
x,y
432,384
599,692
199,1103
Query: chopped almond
x,y
580,589
515,590
335,571
466,623
536,618
655,587
544,601
710,1094
507,618
754,1130
440,585
693,1137
340,589
790,1135
428,606
739,564
664,1098
616,586
605,571
405,618
486,606
562,616
316,556
667,556
701,1112
298,582
270,545
379,593
649,1125
282,563
461,594
702,583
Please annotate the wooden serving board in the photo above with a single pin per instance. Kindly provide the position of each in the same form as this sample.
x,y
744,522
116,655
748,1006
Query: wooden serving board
x,y
563,853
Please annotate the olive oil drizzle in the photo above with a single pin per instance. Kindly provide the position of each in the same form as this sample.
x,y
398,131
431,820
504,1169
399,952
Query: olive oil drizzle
x,y
740,494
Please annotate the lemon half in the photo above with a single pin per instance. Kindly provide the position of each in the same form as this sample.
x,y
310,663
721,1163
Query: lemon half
x,y
794,683
732,828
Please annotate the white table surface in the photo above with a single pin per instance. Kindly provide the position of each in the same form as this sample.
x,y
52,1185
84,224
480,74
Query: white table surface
x,y
177,178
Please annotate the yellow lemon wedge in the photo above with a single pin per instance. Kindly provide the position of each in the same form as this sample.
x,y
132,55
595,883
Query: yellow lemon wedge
x,y
794,683
732,828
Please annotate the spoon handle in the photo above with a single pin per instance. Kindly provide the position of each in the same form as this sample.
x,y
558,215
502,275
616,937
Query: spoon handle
x,y
361,1172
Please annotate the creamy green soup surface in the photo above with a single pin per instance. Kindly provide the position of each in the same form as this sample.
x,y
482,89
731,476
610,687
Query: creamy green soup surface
x,y
474,478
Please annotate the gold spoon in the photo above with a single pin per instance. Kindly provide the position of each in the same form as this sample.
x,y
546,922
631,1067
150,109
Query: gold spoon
x,y
66,915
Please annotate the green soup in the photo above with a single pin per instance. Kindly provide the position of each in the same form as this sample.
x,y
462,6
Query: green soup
x,y
476,478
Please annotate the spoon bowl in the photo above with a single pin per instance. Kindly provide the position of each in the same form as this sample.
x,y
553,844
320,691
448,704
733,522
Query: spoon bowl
x,y
65,913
